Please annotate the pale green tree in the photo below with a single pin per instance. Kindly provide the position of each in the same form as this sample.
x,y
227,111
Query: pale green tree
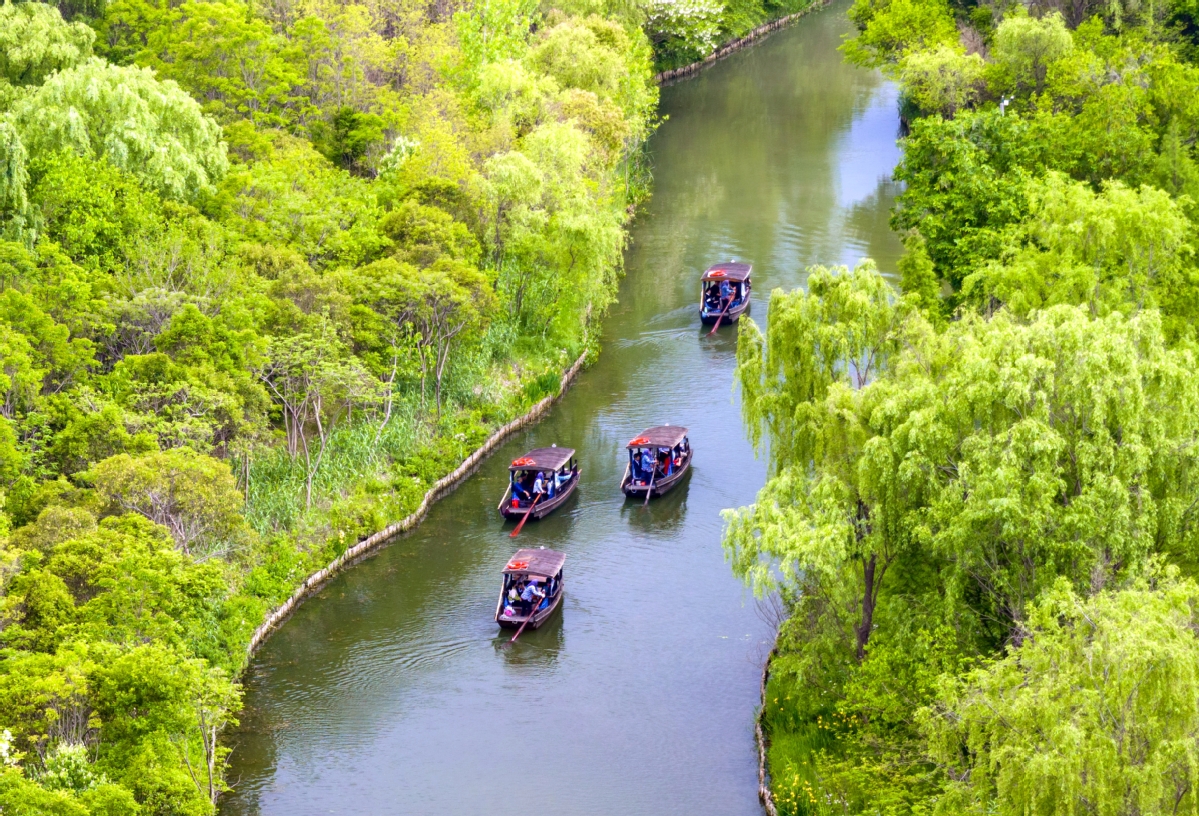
x,y
1026,46
1096,712
35,42
229,59
191,494
1008,454
554,237
494,29
152,129
14,182
598,55
890,29
822,520
1118,249
317,385
942,80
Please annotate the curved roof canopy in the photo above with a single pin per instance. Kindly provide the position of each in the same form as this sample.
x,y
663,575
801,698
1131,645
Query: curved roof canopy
x,y
542,459
535,562
662,436
731,271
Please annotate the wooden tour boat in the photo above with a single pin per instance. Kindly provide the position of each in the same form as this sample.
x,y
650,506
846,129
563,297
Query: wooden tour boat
x,y
671,452
733,278
543,569
559,472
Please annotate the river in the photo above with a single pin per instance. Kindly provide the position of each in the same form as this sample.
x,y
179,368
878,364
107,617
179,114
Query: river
x,y
390,693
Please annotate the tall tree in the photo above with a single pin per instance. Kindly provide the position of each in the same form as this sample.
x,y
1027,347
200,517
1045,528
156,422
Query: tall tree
x,y
1001,454
1096,712
316,387
150,128
35,42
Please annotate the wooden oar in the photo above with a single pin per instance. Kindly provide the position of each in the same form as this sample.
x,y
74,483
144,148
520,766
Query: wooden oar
x,y
532,612
525,518
721,317
649,491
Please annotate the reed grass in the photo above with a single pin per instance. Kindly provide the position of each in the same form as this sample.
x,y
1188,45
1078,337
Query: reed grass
x,y
356,454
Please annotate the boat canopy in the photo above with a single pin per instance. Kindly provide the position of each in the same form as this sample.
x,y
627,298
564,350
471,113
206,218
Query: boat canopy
x,y
731,271
542,459
663,436
546,563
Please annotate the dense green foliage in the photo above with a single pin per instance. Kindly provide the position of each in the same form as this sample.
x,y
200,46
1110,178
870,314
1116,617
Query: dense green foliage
x,y
981,510
685,31
265,274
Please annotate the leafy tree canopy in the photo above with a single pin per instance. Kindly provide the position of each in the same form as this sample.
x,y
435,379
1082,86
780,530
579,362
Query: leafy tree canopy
x,y
1095,712
35,42
147,127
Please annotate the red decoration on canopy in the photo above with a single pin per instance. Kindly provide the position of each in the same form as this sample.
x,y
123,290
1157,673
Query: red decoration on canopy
x,y
717,273
523,461
641,440
517,565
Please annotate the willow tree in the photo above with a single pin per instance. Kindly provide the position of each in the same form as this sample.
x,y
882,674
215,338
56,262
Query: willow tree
x,y
1118,249
817,518
149,128
35,42
1097,712
982,463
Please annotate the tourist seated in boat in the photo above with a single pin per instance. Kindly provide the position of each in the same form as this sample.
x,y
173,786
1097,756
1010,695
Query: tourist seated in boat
x,y
521,486
530,596
538,484
657,458
646,466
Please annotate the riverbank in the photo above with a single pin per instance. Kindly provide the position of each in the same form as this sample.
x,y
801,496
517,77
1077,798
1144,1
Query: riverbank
x,y
738,44
228,373
440,488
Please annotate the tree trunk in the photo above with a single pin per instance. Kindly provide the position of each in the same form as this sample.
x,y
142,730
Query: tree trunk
x,y
868,600
395,362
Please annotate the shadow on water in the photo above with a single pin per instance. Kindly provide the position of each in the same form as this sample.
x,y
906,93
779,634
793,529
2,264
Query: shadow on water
x,y
663,514
535,648
391,691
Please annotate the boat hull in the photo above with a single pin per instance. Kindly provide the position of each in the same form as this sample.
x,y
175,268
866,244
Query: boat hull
x,y
661,486
544,507
539,617
731,316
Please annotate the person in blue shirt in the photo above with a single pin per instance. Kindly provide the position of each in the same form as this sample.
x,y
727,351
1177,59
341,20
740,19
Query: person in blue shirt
x,y
726,294
530,596
518,488
647,464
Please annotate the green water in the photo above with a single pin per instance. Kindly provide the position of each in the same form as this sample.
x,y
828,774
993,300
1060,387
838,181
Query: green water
x,y
391,693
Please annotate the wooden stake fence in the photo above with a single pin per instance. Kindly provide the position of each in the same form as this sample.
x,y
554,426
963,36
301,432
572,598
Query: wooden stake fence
x,y
737,44
441,488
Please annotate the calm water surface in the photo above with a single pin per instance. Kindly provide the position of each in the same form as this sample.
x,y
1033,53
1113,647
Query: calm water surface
x,y
390,692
